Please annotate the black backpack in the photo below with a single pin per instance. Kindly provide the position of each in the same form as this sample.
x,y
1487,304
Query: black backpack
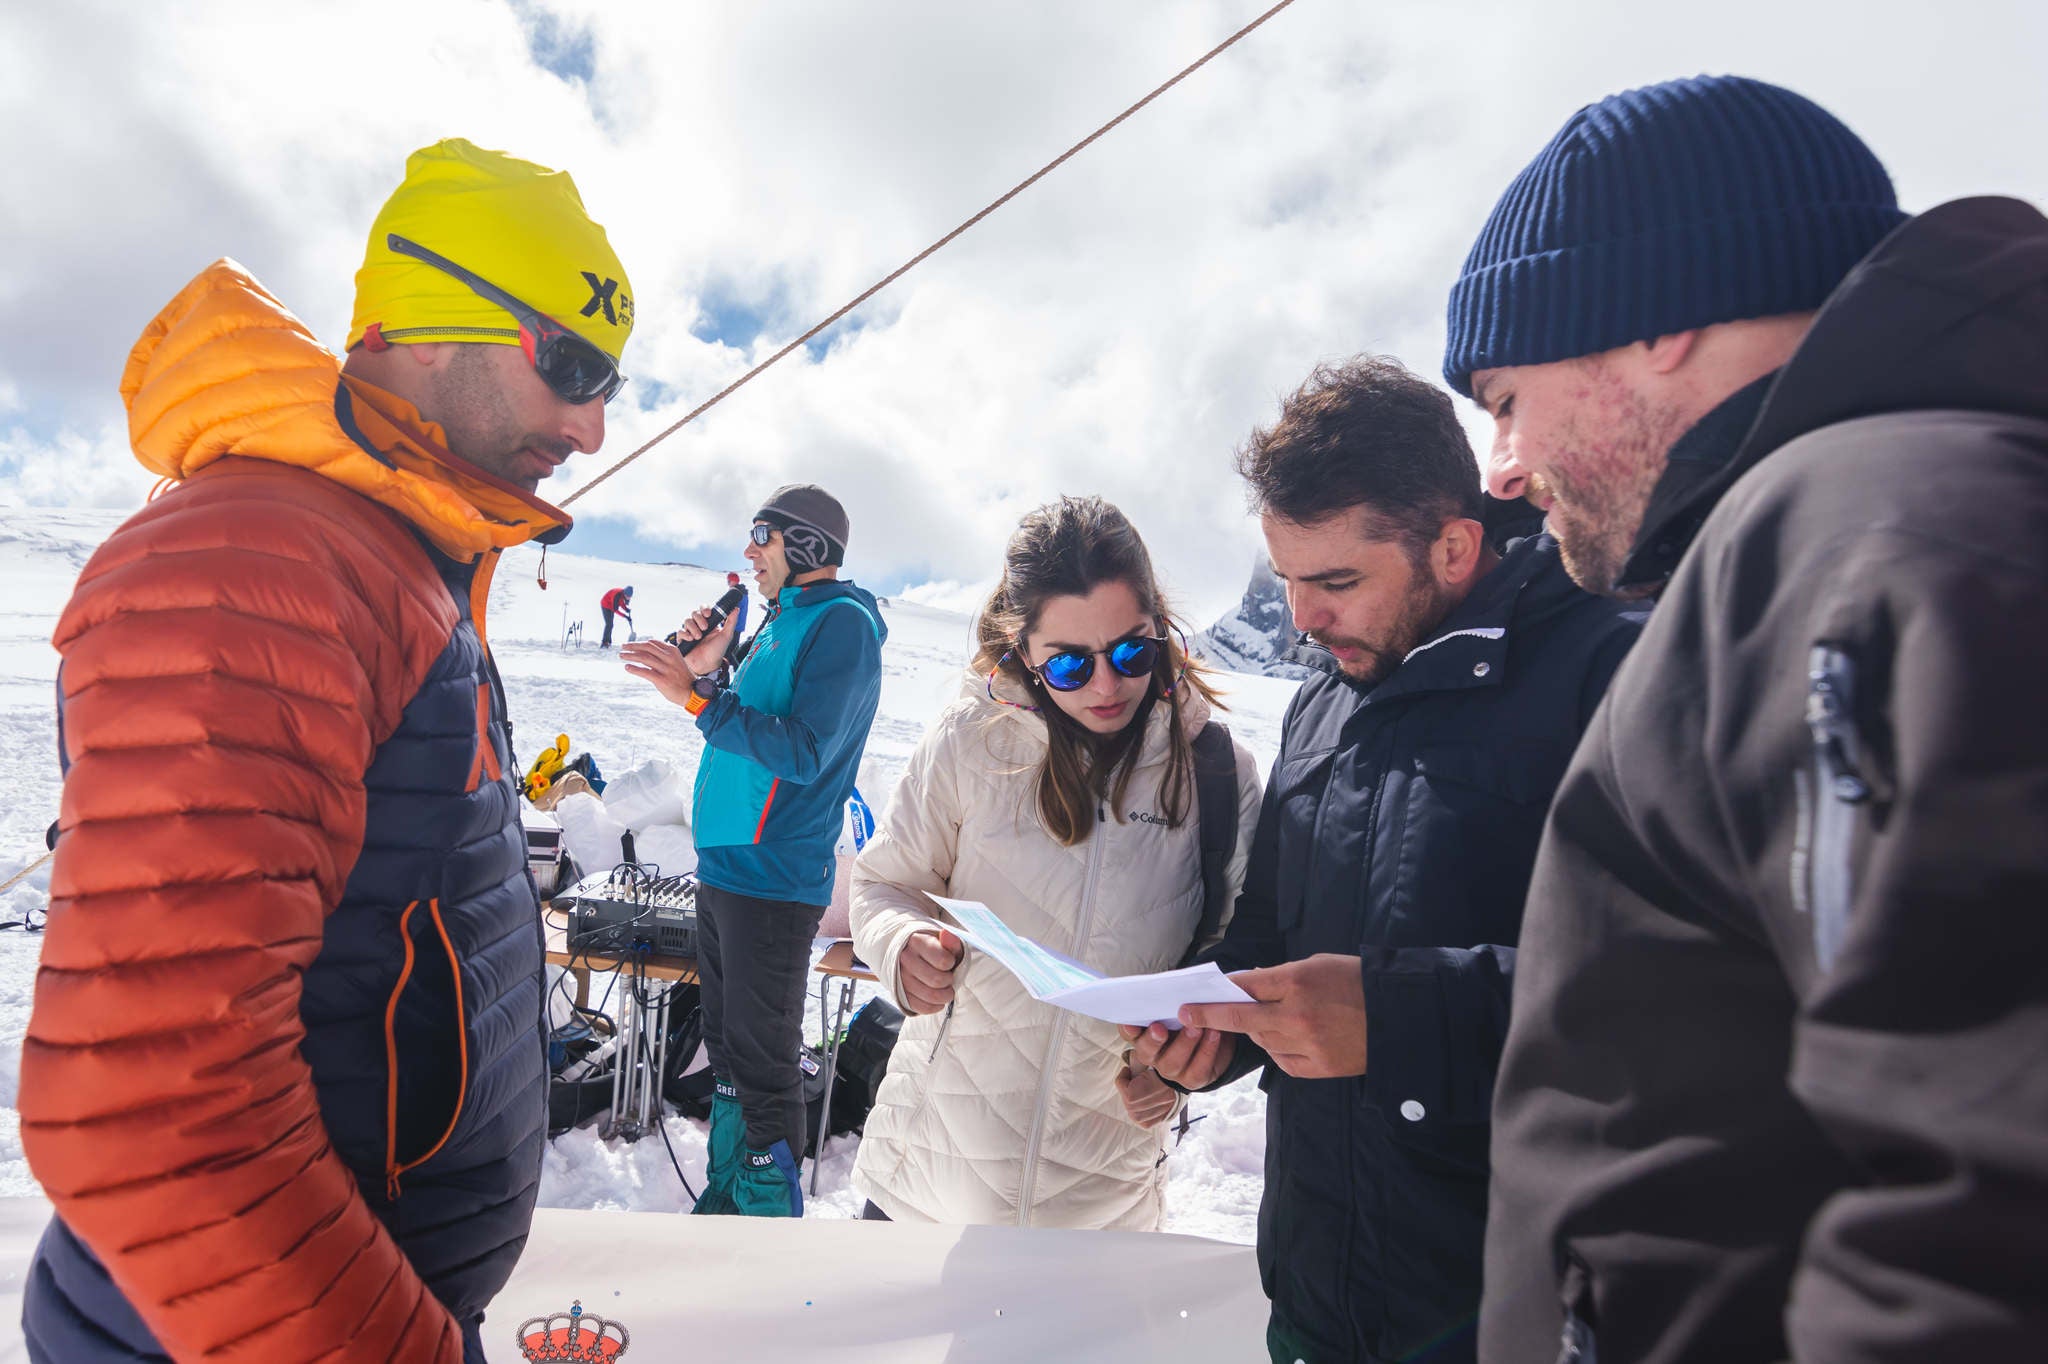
x,y
863,1061
1216,804
686,1081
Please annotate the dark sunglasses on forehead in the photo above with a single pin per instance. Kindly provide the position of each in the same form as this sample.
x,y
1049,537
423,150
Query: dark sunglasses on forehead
x,y
577,371
1131,656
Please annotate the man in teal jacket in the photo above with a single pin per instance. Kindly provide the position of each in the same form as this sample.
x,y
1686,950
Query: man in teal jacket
x,y
782,743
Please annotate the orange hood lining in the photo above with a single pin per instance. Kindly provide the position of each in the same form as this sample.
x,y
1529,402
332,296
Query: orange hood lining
x,y
226,369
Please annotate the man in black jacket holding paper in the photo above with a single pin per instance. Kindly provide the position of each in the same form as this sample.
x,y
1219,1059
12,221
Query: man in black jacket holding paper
x,y
1383,899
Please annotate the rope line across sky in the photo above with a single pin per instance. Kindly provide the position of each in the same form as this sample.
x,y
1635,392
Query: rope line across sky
x,y
917,259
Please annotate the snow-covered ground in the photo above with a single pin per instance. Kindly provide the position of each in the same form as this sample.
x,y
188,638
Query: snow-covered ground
x,y
1215,1173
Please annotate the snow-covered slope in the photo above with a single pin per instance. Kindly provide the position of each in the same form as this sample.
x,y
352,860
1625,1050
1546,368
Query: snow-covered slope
x,y
1215,1174
41,552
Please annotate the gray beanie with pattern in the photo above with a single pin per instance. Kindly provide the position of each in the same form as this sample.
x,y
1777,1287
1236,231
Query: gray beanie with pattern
x,y
813,525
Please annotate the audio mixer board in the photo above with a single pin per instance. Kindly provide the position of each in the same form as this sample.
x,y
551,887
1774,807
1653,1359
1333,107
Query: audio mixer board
x,y
618,912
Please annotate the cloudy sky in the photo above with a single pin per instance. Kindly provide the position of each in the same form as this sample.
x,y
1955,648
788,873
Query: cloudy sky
x,y
1117,329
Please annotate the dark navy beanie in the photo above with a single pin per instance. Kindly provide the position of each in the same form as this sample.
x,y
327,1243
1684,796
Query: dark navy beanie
x,y
1663,209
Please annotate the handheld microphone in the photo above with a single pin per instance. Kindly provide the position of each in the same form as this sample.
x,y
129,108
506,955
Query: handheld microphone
x,y
717,612
724,607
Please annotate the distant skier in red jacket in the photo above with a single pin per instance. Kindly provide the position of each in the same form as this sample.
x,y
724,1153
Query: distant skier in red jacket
x,y
617,602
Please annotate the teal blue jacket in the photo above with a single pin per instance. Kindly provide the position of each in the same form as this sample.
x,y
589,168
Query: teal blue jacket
x,y
782,745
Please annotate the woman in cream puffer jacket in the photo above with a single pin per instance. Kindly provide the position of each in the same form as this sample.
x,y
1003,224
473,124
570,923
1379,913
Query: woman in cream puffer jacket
x,y
1013,1114
1003,1109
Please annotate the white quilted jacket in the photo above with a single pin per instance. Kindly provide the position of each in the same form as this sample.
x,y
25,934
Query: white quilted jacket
x,y
1008,1113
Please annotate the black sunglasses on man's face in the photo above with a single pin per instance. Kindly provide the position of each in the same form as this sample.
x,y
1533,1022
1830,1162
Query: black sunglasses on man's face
x,y
577,371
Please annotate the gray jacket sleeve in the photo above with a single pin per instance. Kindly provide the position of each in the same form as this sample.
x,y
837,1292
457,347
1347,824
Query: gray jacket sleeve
x,y
1921,888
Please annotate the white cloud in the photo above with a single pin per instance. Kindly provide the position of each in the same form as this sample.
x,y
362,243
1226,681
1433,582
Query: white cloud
x,y
947,595
1116,329
72,469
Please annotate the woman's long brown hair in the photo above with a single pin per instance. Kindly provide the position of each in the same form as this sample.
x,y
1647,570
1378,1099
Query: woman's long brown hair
x,y
1069,548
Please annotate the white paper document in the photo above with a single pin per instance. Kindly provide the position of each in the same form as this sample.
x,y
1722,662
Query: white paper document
x,y
1055,979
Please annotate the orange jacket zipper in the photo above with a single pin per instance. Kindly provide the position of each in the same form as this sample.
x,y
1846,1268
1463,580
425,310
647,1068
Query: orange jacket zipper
x,y
392,1168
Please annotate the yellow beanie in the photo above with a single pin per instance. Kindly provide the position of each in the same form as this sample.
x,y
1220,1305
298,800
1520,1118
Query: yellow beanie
x,y
520,226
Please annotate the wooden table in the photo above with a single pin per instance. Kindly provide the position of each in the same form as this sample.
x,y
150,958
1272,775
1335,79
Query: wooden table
x,y
839,964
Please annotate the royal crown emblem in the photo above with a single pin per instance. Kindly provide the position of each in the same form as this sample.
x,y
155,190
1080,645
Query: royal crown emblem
x,y
574,1335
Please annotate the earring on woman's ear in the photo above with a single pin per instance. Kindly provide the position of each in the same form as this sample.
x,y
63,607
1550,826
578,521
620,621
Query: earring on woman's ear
x,y
991,685
1186,658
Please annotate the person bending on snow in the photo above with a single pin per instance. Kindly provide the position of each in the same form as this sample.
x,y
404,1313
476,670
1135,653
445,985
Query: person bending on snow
x,y
273,1083
617,602
782,743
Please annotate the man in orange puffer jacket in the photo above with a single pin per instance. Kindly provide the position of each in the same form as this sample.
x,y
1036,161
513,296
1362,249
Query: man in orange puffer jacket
x,y
284,1081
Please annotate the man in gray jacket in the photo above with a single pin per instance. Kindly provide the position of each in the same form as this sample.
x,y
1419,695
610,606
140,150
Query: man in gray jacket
x,y
1773,1083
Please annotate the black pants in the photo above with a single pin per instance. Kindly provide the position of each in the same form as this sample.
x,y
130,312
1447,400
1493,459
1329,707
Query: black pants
x,y
754,958
606,642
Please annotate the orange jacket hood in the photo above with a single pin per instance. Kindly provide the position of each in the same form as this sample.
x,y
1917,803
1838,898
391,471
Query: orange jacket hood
x,y
226,369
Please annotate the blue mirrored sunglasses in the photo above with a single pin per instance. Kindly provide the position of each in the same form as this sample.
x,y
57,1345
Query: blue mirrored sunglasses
x,y
1131,656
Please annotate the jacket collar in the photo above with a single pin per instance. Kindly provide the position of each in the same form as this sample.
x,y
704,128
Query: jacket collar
x,y
225,369
1700,467
1469,648
811,593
